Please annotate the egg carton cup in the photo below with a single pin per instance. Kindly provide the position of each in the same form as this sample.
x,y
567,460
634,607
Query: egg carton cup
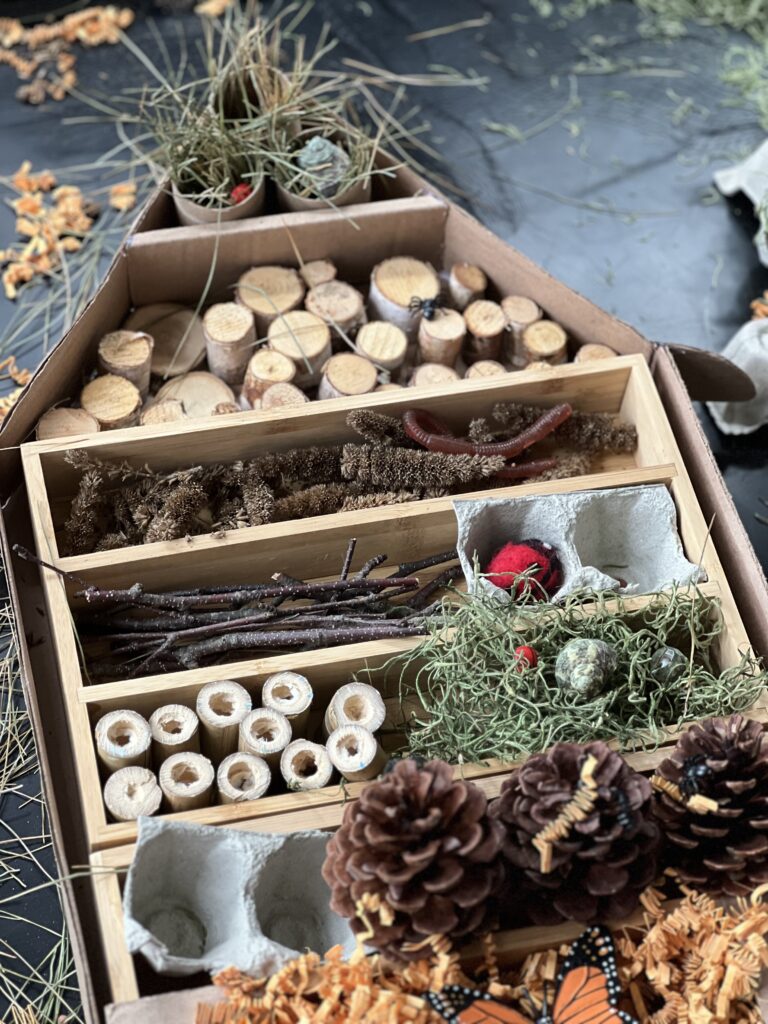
x,y
623,539
200,898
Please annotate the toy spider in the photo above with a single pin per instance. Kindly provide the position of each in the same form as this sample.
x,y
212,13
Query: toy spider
x,y
427,307
624,815
696,772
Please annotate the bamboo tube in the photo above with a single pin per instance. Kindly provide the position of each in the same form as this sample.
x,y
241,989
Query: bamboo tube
x,y
432,375
127,354
545,342
266,733
230,337
113,401
226,409
340,305
441,338
318,272
305,339
123,738
520,312
291,694
174,730
356,753
466,283
199,392
242,776
485,368
63,422
383,344
268,292
131,792
305,765
283,396
266,368
355,704
591,352
394,283
170,411
486,324
221,707
186,781
346,374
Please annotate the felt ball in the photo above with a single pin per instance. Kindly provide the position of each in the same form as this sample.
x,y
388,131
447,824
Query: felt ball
x,y
240,193
525,657
511,561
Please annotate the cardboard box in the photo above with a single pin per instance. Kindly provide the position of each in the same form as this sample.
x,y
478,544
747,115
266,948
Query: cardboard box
x,y
172,265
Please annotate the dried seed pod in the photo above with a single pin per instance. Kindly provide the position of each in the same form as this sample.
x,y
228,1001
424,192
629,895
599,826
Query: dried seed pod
x,y
586,666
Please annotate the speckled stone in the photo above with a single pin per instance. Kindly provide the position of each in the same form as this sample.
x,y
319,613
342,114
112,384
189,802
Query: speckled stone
x,y
586,666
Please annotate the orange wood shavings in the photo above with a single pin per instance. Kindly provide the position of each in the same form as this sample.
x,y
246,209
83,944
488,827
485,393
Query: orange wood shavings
x,y
697,803
212,8
123,196
759,307
577,809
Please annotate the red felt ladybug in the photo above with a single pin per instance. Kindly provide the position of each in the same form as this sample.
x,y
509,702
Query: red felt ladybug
x,y
534,558
240,193
525,657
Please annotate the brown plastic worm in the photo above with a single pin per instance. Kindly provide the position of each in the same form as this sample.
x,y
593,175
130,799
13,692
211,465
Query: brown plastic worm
x,y
434,435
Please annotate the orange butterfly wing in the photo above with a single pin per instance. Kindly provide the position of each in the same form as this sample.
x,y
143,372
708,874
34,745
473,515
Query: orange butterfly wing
x,y
488,1011
583,997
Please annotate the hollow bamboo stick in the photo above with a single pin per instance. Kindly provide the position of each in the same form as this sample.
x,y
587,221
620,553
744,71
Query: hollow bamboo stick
x,y
355,704
266,733
221,706
174,730
291,694
242,776
186,780
123,739
356,753
131,792
305,765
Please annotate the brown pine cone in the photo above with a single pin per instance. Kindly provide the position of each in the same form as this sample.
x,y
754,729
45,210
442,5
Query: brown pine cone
x,y
425,845
599,864
723,850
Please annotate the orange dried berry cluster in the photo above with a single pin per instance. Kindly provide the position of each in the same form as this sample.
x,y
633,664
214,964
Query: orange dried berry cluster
x,y
10,371
759,307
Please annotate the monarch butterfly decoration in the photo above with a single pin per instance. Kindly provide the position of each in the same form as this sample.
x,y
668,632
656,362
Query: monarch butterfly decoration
x,y
587,991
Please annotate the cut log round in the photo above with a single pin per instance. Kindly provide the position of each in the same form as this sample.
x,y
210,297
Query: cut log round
x,y
340,305
177,333
394,283
63,422
170,411
230,337
113,401
591,353
226,409
143,318
133,792
485,368
538,366
520,313
545,342
466,283
390,387
383,344
198,392
432,375
127,354
346,374
486,324
283,396
305,339
318,272
441,338
266,368
268,292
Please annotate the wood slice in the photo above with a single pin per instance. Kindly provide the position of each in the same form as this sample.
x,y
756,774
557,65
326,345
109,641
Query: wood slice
x,y
466,283
198,392
441,338
230,337
305,339
143,318
538,366
283,396
266,368
390,387
113,401
591,352
339,305
486,324
63,422
485,368
383,344
394,282
546,342
170,411
268,292
226,409
520,312
127,354
318,272
131,793
432,375
346,374
178,336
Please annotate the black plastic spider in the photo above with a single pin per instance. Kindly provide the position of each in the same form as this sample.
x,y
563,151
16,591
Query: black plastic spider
x,y
624,813
696,772
427,307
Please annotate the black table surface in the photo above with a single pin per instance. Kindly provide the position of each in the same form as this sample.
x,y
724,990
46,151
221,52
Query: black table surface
x,y
610,190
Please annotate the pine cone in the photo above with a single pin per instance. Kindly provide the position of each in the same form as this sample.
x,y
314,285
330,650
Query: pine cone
x,y
425,846
723,850
601,859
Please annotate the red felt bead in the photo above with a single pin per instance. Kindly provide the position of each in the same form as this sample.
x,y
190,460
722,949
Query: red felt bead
x,y
525,657
240,193
512,560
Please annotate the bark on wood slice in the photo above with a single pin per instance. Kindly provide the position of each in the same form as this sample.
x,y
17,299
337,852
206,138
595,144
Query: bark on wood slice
x,y
230,337
592,352
520,313
178,336
169,411
113,401
383,344
127,354
306,340
485,368
441,338
338,304
268,292
132,792
347,374
486,323
226,409
63,422
394,282
466,283
432,375
318,272
546,342
283,396
198,392
266,368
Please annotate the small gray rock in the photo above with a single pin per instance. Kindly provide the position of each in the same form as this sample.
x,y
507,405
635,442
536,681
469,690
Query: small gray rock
x,y
585,665
667,665
326,163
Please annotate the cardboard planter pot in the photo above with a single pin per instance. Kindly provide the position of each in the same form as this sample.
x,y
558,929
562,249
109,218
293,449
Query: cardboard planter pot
x,y
359,192
190,212
644,386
